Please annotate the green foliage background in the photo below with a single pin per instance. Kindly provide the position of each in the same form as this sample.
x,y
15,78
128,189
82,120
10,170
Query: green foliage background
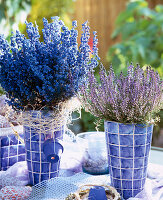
x,y
1,91
141,32
12,12
48,9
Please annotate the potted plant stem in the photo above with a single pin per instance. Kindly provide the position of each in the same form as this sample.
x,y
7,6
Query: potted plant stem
x,y
128,104
42,79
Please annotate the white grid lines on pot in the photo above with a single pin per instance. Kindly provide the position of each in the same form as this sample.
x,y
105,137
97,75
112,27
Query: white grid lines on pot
x,y
31,155
141,145
125,157
107,139
133,162
128,179
144,156
120,162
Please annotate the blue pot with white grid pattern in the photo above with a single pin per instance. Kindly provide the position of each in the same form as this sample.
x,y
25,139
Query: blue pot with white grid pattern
x,y
39,167
128,147
12,150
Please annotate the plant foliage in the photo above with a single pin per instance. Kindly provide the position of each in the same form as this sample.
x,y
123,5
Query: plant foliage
x,y
1,91
141,31
45,73
134,98
12,13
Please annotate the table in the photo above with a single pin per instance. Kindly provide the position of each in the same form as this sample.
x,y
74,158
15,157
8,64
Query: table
x,y
156,155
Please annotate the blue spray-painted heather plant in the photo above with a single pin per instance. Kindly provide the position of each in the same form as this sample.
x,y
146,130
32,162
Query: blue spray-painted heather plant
x,y
45,73
134,98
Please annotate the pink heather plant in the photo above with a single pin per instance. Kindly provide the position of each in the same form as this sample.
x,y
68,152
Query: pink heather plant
x,y
133,98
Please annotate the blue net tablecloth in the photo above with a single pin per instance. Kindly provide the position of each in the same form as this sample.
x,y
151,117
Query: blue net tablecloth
x,y
58,188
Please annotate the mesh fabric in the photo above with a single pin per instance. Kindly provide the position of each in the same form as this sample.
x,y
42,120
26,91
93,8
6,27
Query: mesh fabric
x,y
60,187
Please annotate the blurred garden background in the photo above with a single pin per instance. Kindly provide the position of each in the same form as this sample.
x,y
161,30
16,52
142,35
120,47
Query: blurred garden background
x,y
128,31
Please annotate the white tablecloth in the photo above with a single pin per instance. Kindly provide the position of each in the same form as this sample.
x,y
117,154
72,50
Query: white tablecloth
x,y
71,178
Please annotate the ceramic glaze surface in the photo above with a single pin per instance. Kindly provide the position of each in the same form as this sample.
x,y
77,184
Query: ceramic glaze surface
x,y
12,151
38,166
128,147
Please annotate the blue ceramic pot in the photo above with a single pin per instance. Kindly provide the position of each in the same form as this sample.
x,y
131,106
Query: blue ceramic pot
x,y
11,149
128,147
39,167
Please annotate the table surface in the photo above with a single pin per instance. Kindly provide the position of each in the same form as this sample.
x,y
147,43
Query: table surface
x,y
156,156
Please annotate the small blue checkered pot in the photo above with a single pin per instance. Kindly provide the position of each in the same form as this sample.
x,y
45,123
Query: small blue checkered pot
x,y
12,150
39,166
128,147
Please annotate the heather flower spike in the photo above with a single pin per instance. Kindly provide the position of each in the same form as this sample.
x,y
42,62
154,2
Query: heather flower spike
x,y
132,98
45,73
